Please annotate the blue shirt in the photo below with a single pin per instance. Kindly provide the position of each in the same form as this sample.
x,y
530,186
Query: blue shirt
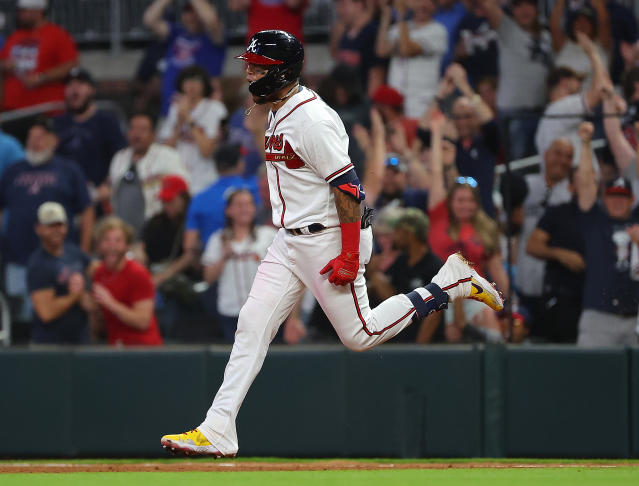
x,y
23,188
608,286
47,271
10,151
450,19
206,211
185,49
90,144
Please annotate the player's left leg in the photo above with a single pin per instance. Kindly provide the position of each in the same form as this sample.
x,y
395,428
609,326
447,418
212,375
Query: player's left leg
x,y
360,327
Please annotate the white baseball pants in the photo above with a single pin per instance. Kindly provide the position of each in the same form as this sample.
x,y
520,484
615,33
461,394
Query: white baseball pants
x,y
291,264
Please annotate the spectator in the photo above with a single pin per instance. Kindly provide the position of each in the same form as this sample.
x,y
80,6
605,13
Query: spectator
x,y
197,40
477,137
415,48
232,256
241,130
206,212
161,249
459,224
24,186
550,188
287,15
450,13
10,151
390,104
353,40
136,173
566,98
123,288
56,282
35,61
525,57
395,191
193,126
415,265
88,136
623,28
559,240
611,293
476,44
591,21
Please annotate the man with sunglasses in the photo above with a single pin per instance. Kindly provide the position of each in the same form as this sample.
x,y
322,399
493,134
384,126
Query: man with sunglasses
x,y
316,199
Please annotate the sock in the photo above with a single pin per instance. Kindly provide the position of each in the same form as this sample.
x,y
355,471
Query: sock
x,y
427,300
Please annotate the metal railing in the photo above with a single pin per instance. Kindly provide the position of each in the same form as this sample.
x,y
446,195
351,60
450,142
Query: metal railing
x,y
118,21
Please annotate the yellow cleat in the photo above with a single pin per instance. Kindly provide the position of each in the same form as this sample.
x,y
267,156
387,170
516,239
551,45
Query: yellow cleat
x,y
459,280
191,443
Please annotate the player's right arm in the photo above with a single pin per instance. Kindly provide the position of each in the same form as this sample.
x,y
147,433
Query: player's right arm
x,y
153,18
585,179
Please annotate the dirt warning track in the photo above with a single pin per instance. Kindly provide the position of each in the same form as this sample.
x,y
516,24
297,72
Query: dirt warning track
x,y
328,465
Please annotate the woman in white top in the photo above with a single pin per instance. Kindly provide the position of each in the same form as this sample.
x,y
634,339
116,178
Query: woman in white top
x,y
594,21
193,126
232,256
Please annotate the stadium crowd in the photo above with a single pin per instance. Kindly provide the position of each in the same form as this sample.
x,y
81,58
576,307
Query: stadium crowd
x,y
152,234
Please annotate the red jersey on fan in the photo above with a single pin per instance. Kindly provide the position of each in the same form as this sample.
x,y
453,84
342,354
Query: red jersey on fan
x,y
130,285
275,14
35,51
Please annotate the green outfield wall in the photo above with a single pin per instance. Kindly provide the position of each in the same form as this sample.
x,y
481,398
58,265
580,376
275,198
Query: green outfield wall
x,y
394,401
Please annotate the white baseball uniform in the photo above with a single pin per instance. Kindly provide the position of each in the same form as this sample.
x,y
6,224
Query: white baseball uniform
x,y
306,148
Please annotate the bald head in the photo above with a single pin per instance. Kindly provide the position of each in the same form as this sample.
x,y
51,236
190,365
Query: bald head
x,y
465,117
558,159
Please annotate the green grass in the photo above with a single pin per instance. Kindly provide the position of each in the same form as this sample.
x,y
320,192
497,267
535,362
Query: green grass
x,y
619,476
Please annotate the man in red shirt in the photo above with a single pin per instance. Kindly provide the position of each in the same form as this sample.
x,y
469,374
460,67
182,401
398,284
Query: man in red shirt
x,y
36,59
123,289
285,15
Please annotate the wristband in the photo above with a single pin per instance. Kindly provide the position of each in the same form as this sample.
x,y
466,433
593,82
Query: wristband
x,y
350,237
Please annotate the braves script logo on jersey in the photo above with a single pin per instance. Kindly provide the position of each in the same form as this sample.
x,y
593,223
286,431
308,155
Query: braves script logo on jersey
x,y
274,144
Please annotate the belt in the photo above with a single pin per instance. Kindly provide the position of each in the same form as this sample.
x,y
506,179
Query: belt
x,y
307,230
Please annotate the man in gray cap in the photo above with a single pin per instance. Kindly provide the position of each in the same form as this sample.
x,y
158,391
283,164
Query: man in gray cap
x,y
56,282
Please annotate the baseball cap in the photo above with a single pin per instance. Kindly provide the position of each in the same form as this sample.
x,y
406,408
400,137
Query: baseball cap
x,y
51,212
172,185
80,74
387,95
394,161
32,4
619,187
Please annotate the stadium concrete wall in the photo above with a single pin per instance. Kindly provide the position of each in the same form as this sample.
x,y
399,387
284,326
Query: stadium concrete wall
x,y
395,401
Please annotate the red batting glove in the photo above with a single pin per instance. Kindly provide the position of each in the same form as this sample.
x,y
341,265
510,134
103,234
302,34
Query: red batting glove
x,y
346,265
344,268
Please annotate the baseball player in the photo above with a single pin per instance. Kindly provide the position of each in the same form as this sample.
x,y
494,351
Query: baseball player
x,y
323,242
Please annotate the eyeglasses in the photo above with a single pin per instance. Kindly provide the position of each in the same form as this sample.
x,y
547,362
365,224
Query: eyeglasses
x,y
467,180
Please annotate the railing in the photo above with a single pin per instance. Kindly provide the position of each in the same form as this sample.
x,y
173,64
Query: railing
x,y
118,21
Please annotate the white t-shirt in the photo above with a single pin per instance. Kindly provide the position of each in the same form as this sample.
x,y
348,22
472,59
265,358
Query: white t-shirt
x,y
417,77
573,56
306,147
158,161
239,270
207,115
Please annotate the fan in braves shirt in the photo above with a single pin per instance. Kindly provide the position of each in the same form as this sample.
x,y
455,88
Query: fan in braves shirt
x,y
323,242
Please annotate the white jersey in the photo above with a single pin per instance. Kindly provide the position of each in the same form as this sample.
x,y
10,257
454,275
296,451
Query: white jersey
x,y
306,148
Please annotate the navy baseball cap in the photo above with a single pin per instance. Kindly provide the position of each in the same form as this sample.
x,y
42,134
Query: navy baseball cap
x,y
619,187
80,74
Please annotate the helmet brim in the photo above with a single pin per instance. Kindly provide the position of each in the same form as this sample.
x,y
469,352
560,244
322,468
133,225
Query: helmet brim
x,y
253,58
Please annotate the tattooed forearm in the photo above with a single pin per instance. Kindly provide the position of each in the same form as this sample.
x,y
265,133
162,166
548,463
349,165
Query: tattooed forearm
x,y
348,209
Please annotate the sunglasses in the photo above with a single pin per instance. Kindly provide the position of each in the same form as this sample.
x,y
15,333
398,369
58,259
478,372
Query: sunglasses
x,y
467,180
392,162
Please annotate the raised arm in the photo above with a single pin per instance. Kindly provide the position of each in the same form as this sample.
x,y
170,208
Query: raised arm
x,y
585,180
153,18
621,149
604,36
375,148
383,47
458,74
238,5
493,11
556,25
600,79
437,191
406,46
210,18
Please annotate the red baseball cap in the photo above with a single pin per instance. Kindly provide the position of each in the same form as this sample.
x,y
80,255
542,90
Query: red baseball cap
x,y
172,185
387,95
